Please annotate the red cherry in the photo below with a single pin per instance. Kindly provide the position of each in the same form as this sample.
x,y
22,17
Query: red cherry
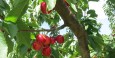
x,y
45,40
36,45
52,40
46,51
43,7
60,39
40,38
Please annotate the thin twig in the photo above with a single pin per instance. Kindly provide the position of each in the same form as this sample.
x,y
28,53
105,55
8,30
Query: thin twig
x,y
48,30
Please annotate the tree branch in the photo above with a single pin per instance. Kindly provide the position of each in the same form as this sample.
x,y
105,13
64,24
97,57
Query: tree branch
x,y
71,21
48,30
35,30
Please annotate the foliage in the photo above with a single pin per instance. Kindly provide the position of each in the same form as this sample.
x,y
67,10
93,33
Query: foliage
x,y
109,9
21,21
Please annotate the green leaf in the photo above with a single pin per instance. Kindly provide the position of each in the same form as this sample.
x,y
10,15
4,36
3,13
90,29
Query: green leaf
x,y
94,0
11,28
3,46
92,43
23,37
4,5
92,13
10,43
85,7
1,3
99,40
71,1
20,7
79,12
22,50
74,54
74,7
96,42
111,53
55,52
67,43
39,55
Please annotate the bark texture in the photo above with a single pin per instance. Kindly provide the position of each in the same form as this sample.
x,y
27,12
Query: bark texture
x,y
71,21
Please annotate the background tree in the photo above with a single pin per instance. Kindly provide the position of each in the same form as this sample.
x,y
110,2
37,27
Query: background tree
x,y
21,21
110,12
109,9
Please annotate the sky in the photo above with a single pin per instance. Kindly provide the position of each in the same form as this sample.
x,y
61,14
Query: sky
x,y
102,18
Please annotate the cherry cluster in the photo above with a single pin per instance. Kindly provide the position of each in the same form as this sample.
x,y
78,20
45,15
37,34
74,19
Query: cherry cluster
x,y
42,43
44,10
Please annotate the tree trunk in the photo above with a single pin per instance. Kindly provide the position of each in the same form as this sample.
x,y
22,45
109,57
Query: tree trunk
x,y
71,21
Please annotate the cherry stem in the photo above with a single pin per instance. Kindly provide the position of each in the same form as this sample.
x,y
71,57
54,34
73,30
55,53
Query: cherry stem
x,y
48,30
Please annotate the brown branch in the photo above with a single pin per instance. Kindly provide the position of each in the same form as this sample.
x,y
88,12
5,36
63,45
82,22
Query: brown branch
x,y
61,27
35,30
75,26
48,30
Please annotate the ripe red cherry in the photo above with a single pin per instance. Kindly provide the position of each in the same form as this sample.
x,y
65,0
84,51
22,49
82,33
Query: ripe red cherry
x,y
46,51
43,7
60,39
40,38
36,45
45,40
52,40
